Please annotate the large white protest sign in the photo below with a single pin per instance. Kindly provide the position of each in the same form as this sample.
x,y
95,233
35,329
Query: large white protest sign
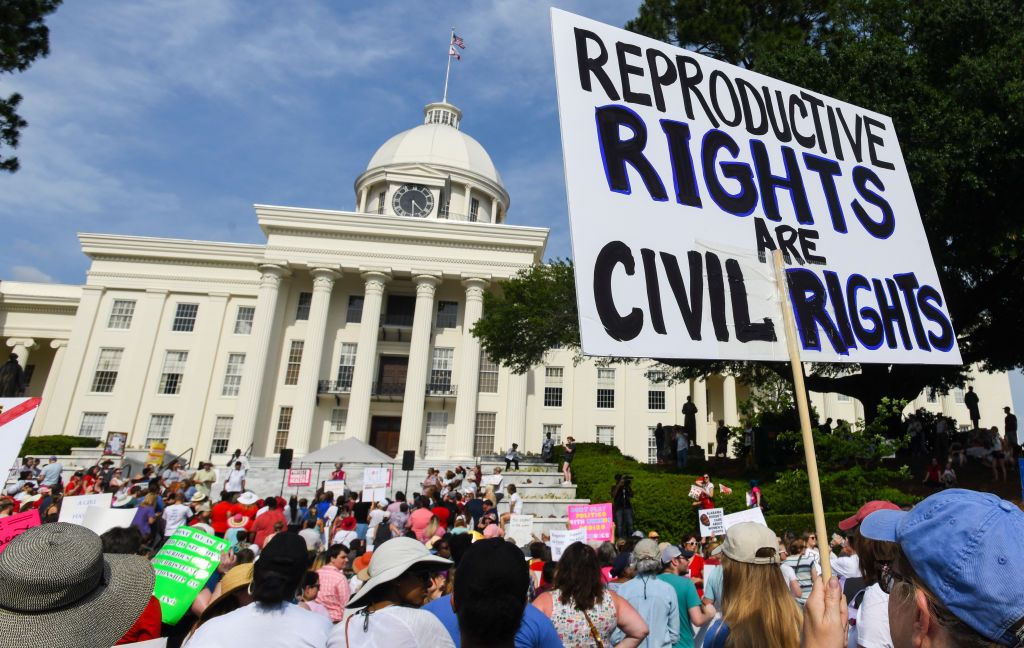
x,y
562,538
100,519
74,508
683,175
749,515
520,529
16,416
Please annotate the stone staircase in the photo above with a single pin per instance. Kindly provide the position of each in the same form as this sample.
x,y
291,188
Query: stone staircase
x,y
540,485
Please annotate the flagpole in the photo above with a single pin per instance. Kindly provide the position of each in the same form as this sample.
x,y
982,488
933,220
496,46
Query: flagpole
x,y
447,71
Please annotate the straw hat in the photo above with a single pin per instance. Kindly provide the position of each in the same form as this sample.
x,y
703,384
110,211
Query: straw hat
x,y
248,498
361,566
56,582
198,497
238,521
391,560
237,577
122,501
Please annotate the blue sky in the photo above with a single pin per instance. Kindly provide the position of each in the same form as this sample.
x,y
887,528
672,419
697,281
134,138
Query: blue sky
x,y
162,118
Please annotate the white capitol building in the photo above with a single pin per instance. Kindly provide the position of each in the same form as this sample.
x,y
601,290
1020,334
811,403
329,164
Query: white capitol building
x,y
345,324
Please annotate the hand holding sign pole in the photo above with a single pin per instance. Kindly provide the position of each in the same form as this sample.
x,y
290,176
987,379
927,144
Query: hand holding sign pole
x,y
817,508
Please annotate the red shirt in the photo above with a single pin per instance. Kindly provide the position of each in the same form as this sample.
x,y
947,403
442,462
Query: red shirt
x,y
264,525
219,515
697,571
442,515
146,627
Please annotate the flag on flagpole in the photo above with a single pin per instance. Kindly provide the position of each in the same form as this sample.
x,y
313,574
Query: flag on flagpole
x,y
725,489
453,52
457,40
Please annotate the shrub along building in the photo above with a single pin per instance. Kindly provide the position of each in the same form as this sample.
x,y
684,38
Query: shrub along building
x,y
346,324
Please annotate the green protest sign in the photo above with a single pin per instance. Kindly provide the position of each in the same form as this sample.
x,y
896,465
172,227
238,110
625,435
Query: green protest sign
x,y
182,566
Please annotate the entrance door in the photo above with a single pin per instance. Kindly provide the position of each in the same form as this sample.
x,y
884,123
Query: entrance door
x,y
391,378
384,431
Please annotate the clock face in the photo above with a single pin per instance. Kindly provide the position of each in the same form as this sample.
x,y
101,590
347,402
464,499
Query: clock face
x,y
413,200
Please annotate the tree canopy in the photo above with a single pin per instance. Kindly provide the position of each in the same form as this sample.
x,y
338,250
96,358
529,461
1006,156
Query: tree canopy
x,y
950,74
24,37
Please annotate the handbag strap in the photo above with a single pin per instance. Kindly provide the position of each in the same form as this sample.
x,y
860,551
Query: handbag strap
x,y
593,630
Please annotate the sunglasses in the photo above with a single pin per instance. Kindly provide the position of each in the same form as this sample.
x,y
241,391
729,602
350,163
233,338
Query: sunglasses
x,y
889,577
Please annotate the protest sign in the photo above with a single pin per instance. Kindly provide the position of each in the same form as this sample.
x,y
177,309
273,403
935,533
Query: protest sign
x,y
695,491
16,416
748,515
116,444
684,174
74,508
375,483
182,566
300,477
562,538
157,449
100,519
711,522
14,525
336,486
595,519
520,529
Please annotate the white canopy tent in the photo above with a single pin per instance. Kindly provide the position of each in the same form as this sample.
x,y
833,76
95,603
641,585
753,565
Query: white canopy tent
x,y
350,450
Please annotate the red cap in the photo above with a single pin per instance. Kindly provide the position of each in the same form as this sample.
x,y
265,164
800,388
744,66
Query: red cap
x,y
866,510
348,523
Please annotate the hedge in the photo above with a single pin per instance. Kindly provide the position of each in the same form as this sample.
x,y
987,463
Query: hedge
x,y
56,444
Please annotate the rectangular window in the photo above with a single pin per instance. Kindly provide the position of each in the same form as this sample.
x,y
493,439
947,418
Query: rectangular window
x,y
441,364
488,374
656,400
605,398
483,435
656,376
605,375
606,434
400,310
553,386
652,446
346,366
121,313
302,309
339,417
474,209
233,374
284,425
291,372
958,395
159,428
94,425
221,434
555,430
243,320
354,314
842,398
107,366
380,201
436,438
174,370
185,318
447,314
932,395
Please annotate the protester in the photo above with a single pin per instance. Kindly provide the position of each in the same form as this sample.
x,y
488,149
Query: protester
x,y
568,452
271,619
58,589
803,567
385,610
582,609
547,448
50,474
759,607
622,505
653,599
334,589
229,594
264,524
176,515
235,480
692,611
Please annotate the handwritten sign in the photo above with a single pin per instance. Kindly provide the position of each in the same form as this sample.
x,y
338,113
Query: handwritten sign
x,y
595,519
749,515
520,529
182,566
562,538
711,522
375,484
14,525
74,508
300,477
336,486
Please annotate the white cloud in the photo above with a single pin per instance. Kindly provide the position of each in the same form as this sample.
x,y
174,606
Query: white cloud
x,y
29,273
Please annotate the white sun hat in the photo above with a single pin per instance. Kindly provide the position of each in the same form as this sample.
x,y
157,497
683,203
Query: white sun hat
x,y
392,559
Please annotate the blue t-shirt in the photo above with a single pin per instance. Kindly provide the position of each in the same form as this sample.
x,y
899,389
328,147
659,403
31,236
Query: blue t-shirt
x,y
535,630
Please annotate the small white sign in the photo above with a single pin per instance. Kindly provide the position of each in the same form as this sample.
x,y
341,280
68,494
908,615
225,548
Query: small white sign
x,y
711,523
74,508
336,486
520,529
562,538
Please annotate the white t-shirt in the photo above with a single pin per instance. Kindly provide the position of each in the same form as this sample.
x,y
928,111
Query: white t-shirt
x,y
344,537
873,619
235,478
391,627
285,626
515,504
846,566
175,515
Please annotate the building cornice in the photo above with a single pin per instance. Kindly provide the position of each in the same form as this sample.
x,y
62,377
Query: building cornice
x,y
179,251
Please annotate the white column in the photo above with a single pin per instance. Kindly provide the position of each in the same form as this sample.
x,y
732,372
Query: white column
x,y
731,415
21,347
700,399
362,200
67,383
515,411
312,354
250,392
469,197
419,363
469,372
358,422
39,424
494,210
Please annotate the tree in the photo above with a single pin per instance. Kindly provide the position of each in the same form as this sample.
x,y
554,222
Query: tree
x,y
24,37
950,73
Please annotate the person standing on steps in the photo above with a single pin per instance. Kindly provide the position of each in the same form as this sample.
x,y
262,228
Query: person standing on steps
x,y
1010,423
971,401
547,448
568,452
690,420
622,505
722,438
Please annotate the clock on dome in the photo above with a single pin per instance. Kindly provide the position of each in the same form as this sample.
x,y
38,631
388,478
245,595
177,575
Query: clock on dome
x,y
413,200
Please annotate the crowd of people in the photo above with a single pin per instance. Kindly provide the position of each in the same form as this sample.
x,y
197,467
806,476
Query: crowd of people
x,y
434,569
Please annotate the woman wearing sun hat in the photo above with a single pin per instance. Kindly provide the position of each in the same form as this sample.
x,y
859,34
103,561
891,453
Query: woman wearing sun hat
x,y
385,611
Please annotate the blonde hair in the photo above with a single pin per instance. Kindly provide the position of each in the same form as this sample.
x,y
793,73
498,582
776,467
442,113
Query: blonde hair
x,y
759,608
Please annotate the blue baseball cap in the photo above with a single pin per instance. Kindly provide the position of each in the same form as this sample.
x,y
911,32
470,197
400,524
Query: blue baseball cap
x,y
968,549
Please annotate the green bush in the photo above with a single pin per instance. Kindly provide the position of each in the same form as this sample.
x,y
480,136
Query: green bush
x,y
56,444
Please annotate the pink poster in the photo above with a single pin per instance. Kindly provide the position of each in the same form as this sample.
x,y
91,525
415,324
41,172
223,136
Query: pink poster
x,y
595,518
14,525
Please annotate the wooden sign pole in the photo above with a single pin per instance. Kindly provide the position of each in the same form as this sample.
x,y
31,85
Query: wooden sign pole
x,y
805,417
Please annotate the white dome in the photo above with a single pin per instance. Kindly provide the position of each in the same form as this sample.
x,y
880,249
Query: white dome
x,y
438,144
